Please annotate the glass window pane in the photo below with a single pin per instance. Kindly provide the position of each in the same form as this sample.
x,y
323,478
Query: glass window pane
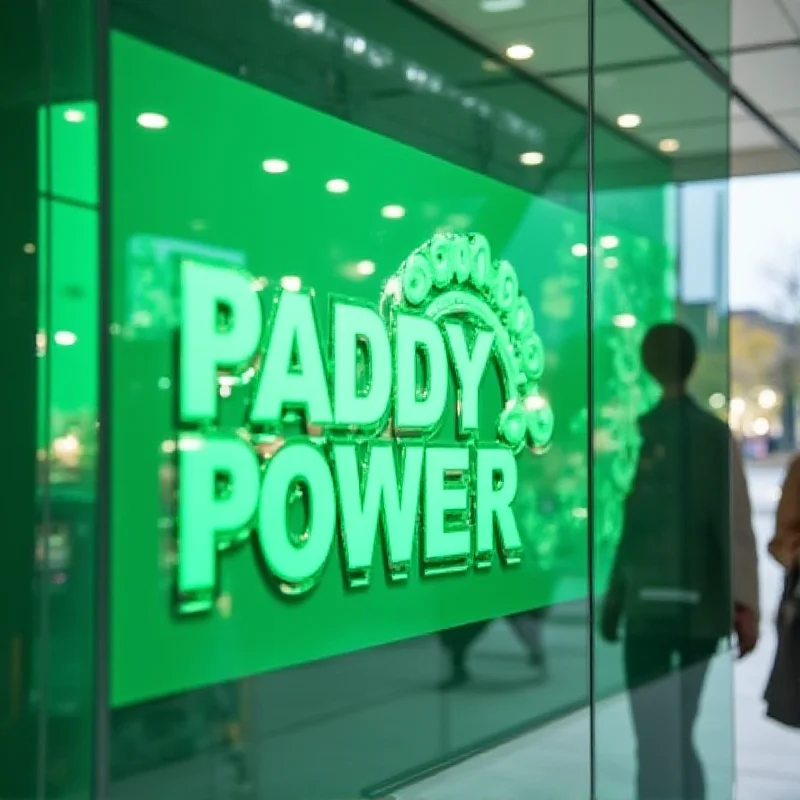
x,y
354,160
663,525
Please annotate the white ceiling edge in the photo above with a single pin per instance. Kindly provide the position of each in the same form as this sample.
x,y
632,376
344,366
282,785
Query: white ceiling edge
x,y
763,162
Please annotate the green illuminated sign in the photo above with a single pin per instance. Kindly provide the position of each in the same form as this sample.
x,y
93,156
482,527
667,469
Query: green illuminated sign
x,y
345,430
293,486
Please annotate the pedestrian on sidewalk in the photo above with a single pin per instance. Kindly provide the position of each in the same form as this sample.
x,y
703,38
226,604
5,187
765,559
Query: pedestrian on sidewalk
x,y
685,575
783,688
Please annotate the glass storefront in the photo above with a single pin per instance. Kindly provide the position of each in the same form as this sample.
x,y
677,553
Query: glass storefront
x,y
325,323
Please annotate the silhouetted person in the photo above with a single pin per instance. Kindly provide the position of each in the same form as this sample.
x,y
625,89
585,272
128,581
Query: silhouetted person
x,y
671,579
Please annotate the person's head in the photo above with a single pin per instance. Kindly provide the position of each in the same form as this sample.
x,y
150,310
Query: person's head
x,y
669,354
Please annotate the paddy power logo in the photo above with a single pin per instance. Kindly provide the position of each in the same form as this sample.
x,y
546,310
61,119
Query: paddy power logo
x,y
338,440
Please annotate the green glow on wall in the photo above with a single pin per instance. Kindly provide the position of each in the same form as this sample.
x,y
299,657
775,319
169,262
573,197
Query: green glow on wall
x,y
196,197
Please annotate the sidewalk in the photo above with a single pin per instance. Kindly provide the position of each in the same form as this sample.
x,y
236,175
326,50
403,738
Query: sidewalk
x,y
552,762
768,765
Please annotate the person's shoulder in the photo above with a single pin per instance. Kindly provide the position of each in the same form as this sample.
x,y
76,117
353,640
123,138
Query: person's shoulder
x,y
710,429
793,468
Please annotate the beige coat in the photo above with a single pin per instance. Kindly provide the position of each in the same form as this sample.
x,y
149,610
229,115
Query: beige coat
x,y
785,546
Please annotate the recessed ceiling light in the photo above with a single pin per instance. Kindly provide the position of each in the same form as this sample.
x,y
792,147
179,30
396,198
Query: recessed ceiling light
x,y
393,212
609,242
629,121
65,338
337,186
74,115
669,145
29,248
520,52
153,121
497,6
532,158
304,20
275,166
291,283
580,250
365,267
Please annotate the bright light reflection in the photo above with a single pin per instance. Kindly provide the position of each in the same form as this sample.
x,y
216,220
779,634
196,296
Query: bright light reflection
x,y
152,120
532,159
337,186
629,121
609,242
579,250
275,166
365,267
291,283
767,398
65,448
393,212
610,262
738,405
304,20
669,145
65,338
625,321
761,426
717,401
534,401
520,52
74,115
357,45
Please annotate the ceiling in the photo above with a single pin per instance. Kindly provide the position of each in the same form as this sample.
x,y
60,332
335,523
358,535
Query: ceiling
x,y
641,71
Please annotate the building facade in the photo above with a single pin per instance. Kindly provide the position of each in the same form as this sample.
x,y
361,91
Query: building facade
x,y
322,328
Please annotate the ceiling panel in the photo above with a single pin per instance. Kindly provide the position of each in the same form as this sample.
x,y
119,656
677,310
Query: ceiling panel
x,y
514,13
707,21
792,8
472,12
757,22
673,98
560,41
750,134
790,124
624,36
694,140
662,95
560,44
769,78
